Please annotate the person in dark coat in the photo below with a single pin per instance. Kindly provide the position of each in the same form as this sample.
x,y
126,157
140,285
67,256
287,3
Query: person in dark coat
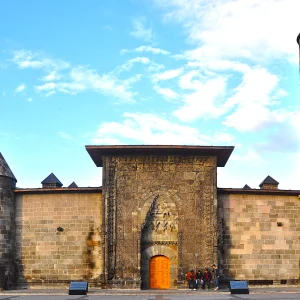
x,y
216,276
206,279
199,278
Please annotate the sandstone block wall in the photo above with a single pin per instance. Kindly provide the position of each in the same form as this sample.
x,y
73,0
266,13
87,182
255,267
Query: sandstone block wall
x,y
259,236
46,254
138,191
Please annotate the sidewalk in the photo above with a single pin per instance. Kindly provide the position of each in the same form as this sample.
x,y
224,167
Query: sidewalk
x,y
94,291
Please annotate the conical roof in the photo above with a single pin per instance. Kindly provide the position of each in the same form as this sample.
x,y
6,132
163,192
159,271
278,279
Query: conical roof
x,y
52,179
73,185
246,187
4,169
269,180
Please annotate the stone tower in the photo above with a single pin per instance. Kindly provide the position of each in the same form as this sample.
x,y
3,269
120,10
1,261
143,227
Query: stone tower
x,y
8,272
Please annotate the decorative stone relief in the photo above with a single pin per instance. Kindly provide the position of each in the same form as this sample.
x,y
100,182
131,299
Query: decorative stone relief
x,y
161,223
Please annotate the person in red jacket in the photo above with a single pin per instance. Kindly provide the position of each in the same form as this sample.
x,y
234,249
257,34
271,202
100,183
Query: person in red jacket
x,y
190,276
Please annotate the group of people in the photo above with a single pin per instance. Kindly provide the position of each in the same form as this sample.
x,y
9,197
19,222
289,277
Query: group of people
x,y
202,280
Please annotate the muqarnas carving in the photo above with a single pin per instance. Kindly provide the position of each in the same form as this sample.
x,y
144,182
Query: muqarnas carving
x,y
161,222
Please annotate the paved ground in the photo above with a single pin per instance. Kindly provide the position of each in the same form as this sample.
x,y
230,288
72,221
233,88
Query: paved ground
x,y
257,293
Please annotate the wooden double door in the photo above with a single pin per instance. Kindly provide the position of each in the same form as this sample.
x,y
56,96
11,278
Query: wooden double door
x,y
159,272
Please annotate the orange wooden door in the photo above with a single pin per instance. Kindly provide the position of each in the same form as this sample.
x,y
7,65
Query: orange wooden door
x,y
159,272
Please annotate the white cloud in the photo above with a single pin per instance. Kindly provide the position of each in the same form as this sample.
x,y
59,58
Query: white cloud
x,y
249,155
29,99
253,100
28,59
170,74
205,101
124,51
151,49
143,60
152,129
141,31
144,48
20,88
226,29
257,86
285,134
166,92
219,65
65,136
74,79
187,80
64,87
53,75
107,84
128,65
252,117
155,67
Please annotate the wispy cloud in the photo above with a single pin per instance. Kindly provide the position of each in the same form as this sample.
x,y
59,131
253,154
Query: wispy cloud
x,y
166,92
28,59
66,78
65,135
153,129
142,30
169,74
20,88
53,75
144,48
107,27
152,50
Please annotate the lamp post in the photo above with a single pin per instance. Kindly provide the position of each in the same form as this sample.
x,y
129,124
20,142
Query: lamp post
x,y
298,42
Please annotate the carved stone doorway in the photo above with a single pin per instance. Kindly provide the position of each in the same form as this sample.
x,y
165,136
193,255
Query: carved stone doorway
x,y
159,272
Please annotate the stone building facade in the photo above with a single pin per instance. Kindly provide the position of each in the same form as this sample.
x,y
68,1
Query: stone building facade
x,y
157,215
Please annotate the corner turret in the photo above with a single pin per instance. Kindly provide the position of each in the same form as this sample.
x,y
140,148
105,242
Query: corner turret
x,y
7,227
5,171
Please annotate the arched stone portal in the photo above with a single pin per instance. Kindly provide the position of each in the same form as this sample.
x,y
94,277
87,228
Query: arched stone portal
x,y
159,251
159,241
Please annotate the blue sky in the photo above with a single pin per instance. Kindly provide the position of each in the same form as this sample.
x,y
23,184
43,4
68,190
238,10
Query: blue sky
x,y
181,72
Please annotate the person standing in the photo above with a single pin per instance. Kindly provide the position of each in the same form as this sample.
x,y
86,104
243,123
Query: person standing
x,y
199,278
190,276
206,279
216,276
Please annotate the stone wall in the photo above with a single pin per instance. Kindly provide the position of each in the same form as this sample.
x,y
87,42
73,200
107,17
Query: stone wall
x,y
158,205
58,236
259,236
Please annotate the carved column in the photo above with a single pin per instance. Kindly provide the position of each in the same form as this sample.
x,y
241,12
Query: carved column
x,y
109,203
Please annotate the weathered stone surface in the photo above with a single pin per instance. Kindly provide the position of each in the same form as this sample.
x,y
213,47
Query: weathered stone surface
x,y
159,205
260,236
49,254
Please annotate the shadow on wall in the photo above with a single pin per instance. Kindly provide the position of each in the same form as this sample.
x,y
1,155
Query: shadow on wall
x,y
224,241
9,266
